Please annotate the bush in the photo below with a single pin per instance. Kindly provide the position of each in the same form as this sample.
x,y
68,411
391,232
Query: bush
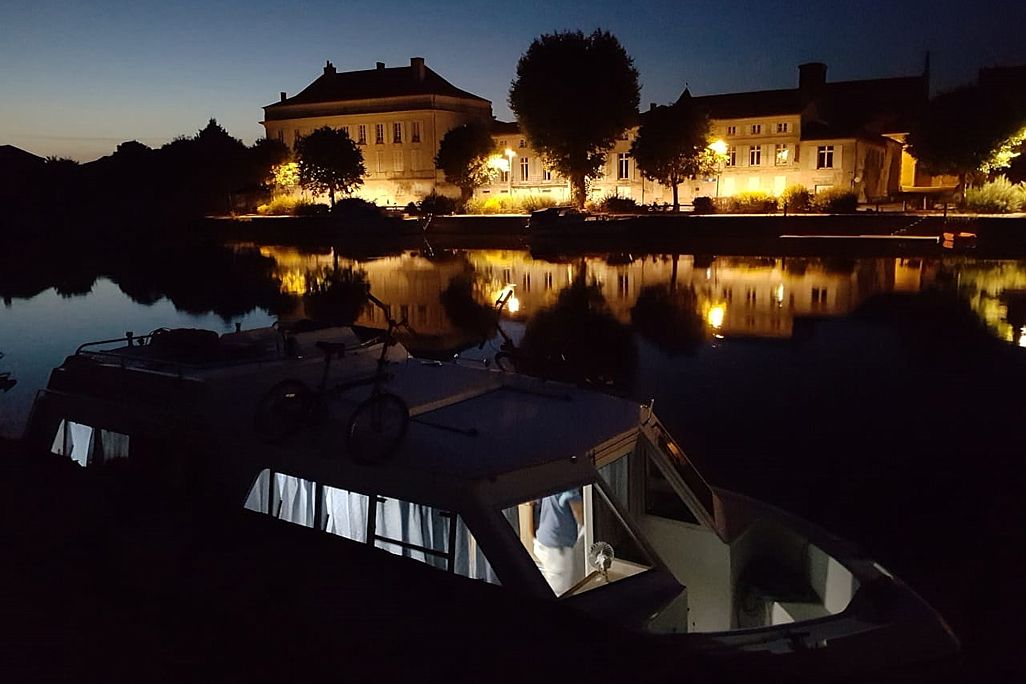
x,y
754,202
835,201
490,205
999,196
282,205
310,209
437,204
796,198
536,202
618,205
704,205
355,208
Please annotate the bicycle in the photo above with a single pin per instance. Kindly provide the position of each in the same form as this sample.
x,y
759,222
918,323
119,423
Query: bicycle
x,y
508,355
377,425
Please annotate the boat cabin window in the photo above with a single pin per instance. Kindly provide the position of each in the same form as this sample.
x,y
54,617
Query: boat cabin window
x,y
87,445
657,497
687,472
578,540
424,533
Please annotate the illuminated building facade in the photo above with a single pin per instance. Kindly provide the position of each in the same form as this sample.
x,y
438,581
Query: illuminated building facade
x,y
397,115
848,135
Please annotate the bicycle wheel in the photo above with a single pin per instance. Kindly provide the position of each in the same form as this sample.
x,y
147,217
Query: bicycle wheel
x,y
376,428
282,410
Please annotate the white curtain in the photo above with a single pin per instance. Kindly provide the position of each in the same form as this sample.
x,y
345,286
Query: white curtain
x,y
295,499
75,441
115,445
258,494
346,513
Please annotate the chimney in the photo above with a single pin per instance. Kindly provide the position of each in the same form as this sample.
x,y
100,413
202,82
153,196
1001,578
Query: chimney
x,y
417,65
379,65
329,68
811,78
651,106
283,96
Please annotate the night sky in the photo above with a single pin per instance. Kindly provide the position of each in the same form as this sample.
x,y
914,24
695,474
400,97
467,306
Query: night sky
x,y
77,78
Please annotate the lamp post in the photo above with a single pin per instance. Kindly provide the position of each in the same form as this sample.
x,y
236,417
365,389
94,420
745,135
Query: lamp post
x,y
509,163
719,150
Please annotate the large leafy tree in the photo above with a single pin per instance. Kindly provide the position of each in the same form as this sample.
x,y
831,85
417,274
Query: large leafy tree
x,y
672,145
966,131
329,161
574,95
463,156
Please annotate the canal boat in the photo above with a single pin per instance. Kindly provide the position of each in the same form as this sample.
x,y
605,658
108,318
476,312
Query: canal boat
x,y
547,489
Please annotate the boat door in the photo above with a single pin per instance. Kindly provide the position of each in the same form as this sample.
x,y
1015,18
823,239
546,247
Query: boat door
x,y
676,511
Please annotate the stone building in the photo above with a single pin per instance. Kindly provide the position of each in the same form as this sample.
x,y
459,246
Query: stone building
x,y
397,115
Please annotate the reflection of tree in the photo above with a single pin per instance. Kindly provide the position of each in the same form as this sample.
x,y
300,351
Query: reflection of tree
x,y
464,311
670,319
336,295
579,339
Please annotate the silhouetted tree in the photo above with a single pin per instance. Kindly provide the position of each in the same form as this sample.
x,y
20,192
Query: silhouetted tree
x,y
672,145
574,95
329,161
962,130
463,157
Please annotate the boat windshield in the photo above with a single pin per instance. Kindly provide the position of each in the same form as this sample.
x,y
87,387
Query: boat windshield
x,y
578,539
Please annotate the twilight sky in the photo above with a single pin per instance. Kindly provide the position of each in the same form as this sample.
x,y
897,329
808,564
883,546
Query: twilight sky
x,y
78,77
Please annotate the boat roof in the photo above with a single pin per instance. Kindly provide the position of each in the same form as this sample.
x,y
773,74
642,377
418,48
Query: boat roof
x,y
473,423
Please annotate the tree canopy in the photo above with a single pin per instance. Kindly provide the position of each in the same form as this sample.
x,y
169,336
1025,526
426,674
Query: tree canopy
x,y
672,144
574,95
967,130
463,156
329,161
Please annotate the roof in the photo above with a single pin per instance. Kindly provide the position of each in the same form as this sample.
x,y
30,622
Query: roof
x,y
881,105
504,127
382,82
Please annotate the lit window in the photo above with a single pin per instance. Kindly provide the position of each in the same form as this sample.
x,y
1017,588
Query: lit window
x,y
361,134
397,132
623,166
379,162
397,160
525,169
825,157
731,130
414,160
756,129
379,134
415,132
755,155
547,174
731,156
782,155
504,176
783,127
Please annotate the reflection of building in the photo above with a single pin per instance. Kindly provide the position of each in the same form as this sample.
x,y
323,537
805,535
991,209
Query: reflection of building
x,y
736,296
846,135
397,115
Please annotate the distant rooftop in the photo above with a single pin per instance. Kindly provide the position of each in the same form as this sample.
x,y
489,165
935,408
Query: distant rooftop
x,y
380,82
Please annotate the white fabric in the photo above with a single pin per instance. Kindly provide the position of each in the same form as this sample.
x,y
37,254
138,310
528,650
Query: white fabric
x,y
562,567
346,513
296,497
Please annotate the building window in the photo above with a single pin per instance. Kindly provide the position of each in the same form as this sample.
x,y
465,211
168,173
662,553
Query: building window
x,y
414,160
782,155
546,174
523,143
397,132
731,156
755,155
361,135
731,130
504,176
756,129
623,166
525,168
345,129
503,145
825,157
379,162
415,132
783,127
379,134
397,160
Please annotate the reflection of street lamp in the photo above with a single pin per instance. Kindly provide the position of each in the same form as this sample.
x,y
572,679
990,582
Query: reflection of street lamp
x,y
719,150
509,156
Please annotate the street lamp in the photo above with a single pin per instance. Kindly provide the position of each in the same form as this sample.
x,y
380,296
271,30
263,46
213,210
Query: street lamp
x,y
509,156
719,150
